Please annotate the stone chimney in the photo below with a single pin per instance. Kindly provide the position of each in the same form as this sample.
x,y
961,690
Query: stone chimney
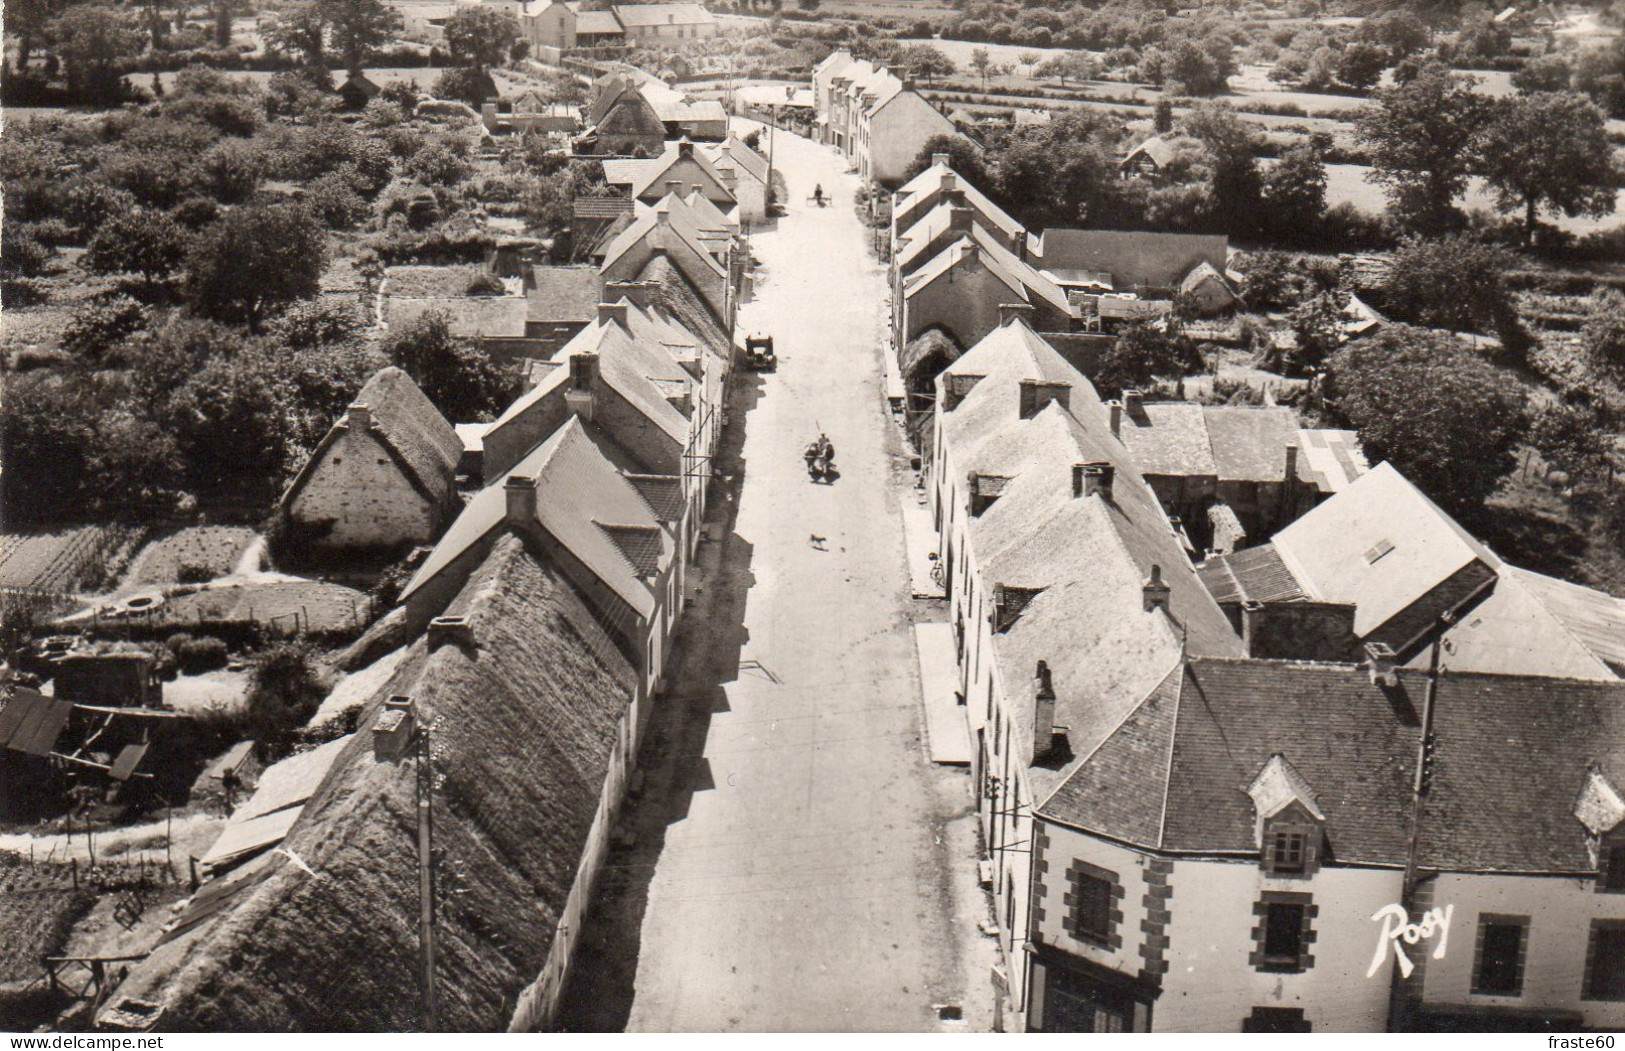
x,y
1116,409
1155,591
1009,312
674,186
612,314
1035,394
393,730
1134,404
1043,712
454,629
635,291
685,148
578,396
1383,664
960,219
941,160
950,181
359,417
1090,479
663,215
520,492
1291,474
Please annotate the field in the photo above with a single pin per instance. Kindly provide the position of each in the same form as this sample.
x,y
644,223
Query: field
x,y
38,906
205,551
51,562
1347,184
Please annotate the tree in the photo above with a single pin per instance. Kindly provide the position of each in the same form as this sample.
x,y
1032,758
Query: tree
x,y
1549,150
1360,66
1600,73
1162,116
1453,283
1062,173
1232,146
92,42
300,32
30,20
480,36
102,326
1603,335
1140,355
1317,331
469,84
221,12
981,62
255,258
1448,420
1076,65
359,28
144,242
231,420
284,691
456,375
1191,70
964,157
1420,134
1294,194
1544,73
1399,31
926,60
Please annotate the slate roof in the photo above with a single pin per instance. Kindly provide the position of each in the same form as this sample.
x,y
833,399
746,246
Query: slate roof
x,y
1021,279
600,23
1089,556
1333,458
602,207
923,192
646,15
564,293
681,223
1512,756
733,154
650,175
623,172
1134,258
675,294
526,717
1254,574
578,493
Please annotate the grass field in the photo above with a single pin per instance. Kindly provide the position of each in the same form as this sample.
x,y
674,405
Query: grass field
x,y
1347,184
208,549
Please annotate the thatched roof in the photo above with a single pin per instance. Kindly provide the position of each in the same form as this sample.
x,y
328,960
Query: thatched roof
x,y
526,716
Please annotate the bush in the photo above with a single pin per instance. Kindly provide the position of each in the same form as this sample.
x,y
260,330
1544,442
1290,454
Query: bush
x,y
484,283
176,641
192,573
103,326
334,202
201,655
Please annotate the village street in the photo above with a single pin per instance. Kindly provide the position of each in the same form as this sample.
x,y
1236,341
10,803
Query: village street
x,y
798,864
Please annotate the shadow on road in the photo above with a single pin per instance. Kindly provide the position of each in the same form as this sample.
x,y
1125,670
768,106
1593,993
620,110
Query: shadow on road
x,y
599,994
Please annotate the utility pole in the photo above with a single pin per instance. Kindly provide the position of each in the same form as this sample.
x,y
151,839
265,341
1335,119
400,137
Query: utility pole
x,y
425,776
1398,1001
770,141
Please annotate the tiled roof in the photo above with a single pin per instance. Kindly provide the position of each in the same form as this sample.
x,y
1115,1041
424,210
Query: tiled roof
x,y
1511,758
647,15
735,155
564,293
578,492
681,223
641,546
1255,574
663,492
623,172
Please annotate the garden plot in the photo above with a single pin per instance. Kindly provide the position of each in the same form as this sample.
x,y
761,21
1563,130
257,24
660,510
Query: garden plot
x,y
189,556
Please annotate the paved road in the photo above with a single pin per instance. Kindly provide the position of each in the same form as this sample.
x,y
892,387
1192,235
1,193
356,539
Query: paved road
x,y
799,865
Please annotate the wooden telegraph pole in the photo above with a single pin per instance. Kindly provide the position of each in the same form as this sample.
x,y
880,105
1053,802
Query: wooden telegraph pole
x,y
425,777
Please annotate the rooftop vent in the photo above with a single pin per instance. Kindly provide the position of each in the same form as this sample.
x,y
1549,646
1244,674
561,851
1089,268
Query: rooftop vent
x,y
1155,591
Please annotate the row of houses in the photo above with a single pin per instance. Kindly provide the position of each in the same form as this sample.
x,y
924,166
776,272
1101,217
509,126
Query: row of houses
x,y
633,114
564,26
957,258
530,644
873,116
1362,776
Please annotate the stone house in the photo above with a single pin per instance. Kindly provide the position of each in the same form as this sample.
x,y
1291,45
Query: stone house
x,y
708,260
623,123
682,170
1206,291
926,192
744,173
383,477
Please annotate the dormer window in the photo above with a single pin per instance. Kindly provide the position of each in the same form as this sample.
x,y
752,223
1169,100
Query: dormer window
x,y
1291,826
1600,808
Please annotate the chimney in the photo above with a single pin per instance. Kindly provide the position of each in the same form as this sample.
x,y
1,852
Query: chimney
x,y
960,219
1035,394
584,370
521,494
635,291
1009,312
1382,661
950,181
663,215
454,629
612,313
1043,712
392,731
1155,591
674,186
685,148
1291,463
1134,404
359,417
941,160
969,253
1116,408
1090,479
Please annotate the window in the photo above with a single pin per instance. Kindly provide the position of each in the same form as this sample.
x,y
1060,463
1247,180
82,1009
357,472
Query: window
x,y
1611,868
1287,851
1498,962
1092,897
1284,932
1276,1020
1605,961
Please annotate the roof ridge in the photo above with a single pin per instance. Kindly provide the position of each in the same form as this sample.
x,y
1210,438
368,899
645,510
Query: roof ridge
x,y
1173,736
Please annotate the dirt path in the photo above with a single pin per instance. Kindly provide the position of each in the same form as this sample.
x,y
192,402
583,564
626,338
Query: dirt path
x,y
797,858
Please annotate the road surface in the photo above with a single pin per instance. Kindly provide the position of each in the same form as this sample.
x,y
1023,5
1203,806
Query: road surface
x,y
798,865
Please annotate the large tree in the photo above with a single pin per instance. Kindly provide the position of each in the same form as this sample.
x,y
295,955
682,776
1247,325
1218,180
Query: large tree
x,y
1454,283
1549,150
144,242
1420,133
1294,195
1446,418
300,32
464,384
93,41
256,258
358,29
480,36
1232,146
